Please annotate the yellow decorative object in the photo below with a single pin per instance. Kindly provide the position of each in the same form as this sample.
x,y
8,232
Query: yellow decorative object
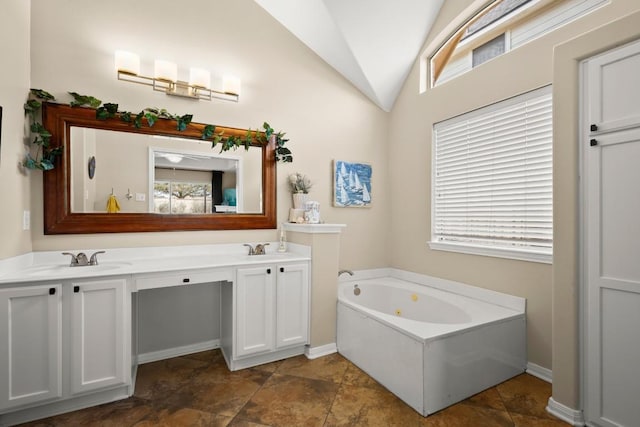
x,y
414,297
112,204
398,312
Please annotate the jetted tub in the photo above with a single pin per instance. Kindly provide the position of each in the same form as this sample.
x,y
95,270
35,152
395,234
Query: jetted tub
x,y
431,347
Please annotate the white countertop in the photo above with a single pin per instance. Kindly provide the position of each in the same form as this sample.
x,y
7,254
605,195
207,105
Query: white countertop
x,y
52,265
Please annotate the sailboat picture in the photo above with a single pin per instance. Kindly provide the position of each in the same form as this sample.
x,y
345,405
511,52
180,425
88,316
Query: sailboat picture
x,y
351,184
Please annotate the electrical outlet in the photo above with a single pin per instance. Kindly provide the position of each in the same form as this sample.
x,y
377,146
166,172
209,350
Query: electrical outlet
x,y
26,220
140,197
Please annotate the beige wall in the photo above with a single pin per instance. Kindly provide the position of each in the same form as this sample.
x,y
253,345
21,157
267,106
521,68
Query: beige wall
x,y
566,291
412,119
283,83
14,88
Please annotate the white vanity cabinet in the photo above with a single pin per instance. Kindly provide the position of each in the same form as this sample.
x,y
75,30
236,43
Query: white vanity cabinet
x,y
271,316
63,340
30,344
100,334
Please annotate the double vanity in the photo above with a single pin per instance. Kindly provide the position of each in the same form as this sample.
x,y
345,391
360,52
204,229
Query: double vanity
x,y
69,335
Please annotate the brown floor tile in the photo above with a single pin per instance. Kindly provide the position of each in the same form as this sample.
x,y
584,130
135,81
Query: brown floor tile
x,y
466,415
209,356
487,399
359,378
286,400
528,421
219,391
327,368
526,395
121,413
158,379
244,423
183,417
367,406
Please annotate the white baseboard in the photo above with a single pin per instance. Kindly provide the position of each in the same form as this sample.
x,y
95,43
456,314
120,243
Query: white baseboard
x,y
323,350
154,356
570,415
540,372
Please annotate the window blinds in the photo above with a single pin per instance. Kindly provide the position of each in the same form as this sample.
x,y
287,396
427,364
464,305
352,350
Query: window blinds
x,y
492,183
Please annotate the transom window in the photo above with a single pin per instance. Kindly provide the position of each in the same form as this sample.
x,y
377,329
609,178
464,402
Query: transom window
x,y
492,180
503,25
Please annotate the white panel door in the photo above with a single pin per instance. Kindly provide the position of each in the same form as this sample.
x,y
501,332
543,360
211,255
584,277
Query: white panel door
x,y
611,240
292,307
30,345
100,331
254,315
613,89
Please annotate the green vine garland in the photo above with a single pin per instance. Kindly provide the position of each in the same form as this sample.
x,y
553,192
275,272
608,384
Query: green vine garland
x,y
44,157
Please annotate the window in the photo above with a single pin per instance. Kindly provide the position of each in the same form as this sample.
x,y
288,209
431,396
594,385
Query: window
x,y
500,27
492,180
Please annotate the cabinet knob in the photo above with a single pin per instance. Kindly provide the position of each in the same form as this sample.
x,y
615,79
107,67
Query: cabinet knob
x,y
186,280
268,271
593,142
281,269
76,289
593,128
52,291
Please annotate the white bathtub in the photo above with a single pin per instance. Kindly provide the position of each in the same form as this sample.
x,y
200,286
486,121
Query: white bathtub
x,y
431,347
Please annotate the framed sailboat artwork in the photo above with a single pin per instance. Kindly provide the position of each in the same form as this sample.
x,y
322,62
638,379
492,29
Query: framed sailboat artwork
x,y
351,184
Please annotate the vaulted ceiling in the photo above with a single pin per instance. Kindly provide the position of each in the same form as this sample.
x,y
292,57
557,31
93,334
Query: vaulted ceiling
x,y
372,43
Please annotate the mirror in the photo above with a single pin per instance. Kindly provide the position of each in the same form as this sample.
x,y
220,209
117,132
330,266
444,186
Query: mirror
x,y
162,178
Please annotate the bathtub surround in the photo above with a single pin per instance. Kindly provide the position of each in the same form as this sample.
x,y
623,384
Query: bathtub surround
x,y
431,347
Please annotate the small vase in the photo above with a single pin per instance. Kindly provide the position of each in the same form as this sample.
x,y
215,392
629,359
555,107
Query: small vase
x,y
299,200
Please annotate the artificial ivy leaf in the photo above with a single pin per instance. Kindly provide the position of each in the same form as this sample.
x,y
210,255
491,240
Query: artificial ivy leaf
x,y
183,121
80,100
46,165
31,106
102,113
268,130
125,116
151,118
111,108
29,162
137,122
42,94
208,131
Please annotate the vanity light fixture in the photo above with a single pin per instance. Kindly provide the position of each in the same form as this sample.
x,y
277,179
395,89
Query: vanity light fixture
x,y
165,79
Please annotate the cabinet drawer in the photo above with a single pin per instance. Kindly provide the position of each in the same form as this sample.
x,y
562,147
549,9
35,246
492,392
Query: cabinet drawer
x,y
181,278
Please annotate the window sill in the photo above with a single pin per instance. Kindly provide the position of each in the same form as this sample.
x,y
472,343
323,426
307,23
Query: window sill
x,y
520,255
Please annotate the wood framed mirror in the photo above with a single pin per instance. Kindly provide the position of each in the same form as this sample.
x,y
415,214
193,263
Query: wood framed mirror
x,y
75,203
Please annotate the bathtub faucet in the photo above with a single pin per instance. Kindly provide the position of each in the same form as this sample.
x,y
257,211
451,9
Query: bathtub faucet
x,y
341,272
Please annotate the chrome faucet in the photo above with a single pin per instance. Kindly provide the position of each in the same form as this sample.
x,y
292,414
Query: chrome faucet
x,y
341,272
81,259
260,249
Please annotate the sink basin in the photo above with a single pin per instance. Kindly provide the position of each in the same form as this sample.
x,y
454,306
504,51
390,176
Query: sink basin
x,y
58,269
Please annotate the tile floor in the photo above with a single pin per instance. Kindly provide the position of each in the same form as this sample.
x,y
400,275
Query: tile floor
x,y
199,390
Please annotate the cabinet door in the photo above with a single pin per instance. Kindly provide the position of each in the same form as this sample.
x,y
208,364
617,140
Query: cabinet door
x,y
292,293
100,333
254,314
30,344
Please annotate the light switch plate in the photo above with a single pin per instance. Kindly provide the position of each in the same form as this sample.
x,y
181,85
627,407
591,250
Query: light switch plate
x,y
26,220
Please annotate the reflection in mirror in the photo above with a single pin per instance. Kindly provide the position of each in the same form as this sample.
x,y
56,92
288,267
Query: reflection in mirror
x,y
162,175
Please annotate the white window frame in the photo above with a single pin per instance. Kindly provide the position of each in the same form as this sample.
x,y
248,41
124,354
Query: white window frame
x,y
520,29
475,246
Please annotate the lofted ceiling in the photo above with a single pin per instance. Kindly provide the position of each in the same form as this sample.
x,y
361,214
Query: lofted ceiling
x,y
372,43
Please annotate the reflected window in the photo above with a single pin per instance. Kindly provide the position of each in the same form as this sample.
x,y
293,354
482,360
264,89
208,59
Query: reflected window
x,y
175,196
